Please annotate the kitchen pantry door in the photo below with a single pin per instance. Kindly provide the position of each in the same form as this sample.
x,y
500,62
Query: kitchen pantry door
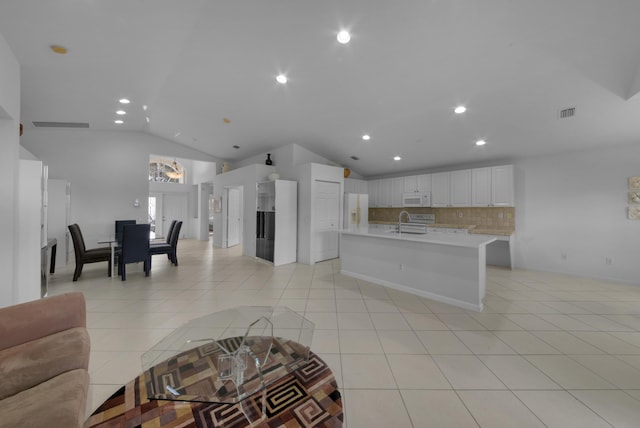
x,y
326,220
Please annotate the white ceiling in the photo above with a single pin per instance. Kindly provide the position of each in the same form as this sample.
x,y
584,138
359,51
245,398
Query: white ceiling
x,y
513,63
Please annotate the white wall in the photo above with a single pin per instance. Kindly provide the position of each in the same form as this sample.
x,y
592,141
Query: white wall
x,y
307,175
9,157
246,177
29,221
285,159
576,204
107,172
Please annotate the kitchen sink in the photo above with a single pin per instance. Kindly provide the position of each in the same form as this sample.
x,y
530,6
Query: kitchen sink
x,y
416,228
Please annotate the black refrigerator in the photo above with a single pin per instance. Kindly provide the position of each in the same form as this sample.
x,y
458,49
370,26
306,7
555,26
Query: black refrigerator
x,y
265,234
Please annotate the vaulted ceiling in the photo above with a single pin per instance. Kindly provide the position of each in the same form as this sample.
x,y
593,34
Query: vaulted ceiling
x,y
187,65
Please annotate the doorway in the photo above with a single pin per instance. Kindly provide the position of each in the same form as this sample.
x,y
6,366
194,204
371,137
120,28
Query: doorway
x,y
326,220
164,208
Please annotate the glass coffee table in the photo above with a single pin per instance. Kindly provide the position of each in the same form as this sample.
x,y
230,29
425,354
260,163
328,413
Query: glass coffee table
x,y
227,356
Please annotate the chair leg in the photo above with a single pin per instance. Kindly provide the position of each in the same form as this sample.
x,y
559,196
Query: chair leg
x,y
109,267
123,271
78,271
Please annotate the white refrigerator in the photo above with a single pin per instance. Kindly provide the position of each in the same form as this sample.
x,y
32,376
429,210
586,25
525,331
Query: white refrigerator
x,y
356,211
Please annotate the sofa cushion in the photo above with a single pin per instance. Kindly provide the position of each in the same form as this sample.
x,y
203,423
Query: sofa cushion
x,y
32,320
29,364
58,402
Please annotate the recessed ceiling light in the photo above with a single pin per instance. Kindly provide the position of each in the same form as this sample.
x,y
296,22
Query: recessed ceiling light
x,y
59,49
397,158
343,37
121,112
460,109
119,122
281,78
480,143
144,107
366,137
124,101
147,119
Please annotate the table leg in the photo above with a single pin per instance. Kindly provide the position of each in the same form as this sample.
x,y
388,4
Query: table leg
x,y
114,272
52,268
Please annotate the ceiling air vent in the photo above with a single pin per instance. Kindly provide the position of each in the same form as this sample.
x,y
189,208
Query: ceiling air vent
x,y
568,112
60,124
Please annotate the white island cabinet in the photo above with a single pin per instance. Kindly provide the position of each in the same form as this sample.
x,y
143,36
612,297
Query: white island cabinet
x,y
446,267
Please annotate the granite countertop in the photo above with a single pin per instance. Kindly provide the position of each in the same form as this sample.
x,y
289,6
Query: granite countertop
x,y
499,232
471,228
450,239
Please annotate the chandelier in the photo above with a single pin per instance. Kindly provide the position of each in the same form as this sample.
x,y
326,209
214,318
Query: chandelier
x,y
176,173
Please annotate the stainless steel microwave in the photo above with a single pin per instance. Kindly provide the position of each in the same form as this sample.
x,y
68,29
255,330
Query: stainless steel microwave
x,y
416,199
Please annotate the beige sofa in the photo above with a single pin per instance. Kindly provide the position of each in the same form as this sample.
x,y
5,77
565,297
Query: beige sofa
x,y
44,358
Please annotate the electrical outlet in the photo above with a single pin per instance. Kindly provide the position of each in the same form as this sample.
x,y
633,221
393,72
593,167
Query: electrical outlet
x,y
500,215
608,261
401,266
460,214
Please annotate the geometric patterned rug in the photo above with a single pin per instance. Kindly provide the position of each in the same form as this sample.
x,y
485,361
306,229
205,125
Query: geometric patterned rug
x,y
307,397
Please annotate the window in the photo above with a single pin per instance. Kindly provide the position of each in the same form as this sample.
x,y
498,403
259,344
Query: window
x,y
166,171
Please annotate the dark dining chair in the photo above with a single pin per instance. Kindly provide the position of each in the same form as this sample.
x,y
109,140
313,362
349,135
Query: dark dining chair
x,y
171,246
135,248
84,255
167,239
119,225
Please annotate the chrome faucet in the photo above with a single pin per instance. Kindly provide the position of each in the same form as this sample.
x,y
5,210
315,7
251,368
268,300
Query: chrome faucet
x,y
400,217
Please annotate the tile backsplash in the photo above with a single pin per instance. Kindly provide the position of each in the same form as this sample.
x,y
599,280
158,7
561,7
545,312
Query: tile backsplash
x,y
501,218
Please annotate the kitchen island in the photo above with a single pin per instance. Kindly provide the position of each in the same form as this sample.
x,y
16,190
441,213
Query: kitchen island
x,y
449,268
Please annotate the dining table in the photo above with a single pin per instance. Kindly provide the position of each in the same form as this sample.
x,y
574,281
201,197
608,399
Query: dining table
x,y
113,243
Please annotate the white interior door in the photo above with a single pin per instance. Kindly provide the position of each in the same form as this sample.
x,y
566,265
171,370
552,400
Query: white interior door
x,y
175,207
326,220
233,217
156,214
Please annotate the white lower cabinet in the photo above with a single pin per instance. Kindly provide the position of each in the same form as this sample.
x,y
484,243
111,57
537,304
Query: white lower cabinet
x,y
500,252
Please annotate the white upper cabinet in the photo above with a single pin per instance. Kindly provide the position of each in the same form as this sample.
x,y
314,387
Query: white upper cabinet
x,y
390,192
460,188
384,193
417,183
397,187
492,187
481,187
478,187
411,184
502,194
440,189
352,185
424,183
373,187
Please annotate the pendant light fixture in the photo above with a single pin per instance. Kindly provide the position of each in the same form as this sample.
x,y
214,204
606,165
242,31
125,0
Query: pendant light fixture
x,y
176,173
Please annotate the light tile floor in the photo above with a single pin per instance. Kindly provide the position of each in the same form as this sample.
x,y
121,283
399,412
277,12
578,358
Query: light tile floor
x,y
548,350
